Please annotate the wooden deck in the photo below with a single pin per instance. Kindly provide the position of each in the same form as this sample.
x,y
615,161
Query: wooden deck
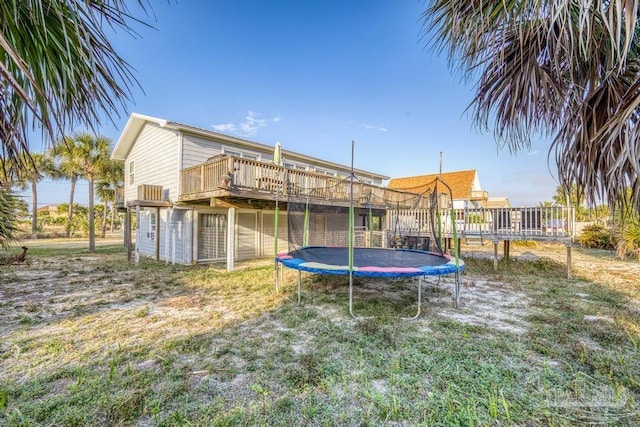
x,y
487,224
232,180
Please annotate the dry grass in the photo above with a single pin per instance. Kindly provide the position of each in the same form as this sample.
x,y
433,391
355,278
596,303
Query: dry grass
x,y
89,340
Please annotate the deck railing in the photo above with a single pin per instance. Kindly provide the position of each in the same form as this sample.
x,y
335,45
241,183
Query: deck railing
x,y
238,173
516,223
149,192
120,196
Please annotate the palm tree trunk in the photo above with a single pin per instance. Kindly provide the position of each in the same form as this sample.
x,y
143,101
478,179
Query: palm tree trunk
x,y
113,215
104,220
92,230
34,210
74,179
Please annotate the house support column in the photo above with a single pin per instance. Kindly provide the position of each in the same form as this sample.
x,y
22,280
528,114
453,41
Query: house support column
x,y
507,247
495,255
158,234
569,274
127,233
166,236
231,237
137,256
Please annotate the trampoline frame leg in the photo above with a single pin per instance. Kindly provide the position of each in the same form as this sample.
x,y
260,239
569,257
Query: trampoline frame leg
x,y
456,300
351,301
278,272
419,300
299,287
351,296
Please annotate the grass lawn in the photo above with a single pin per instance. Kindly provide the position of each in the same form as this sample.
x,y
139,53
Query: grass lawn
x,y
87,339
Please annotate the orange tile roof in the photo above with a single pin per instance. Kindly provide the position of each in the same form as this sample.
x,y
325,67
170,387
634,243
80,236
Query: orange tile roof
x,y
460,182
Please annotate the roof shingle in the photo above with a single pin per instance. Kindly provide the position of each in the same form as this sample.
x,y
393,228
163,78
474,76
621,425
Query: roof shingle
x,y
460,182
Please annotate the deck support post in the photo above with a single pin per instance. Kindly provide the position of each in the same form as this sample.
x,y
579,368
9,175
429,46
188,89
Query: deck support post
x,y
127,233
569,275
231,238
157,231
507,247
137,254
495,255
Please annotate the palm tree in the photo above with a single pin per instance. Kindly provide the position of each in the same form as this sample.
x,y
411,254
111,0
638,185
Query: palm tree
x,y
92,153
58,68
67,166
8,221
570,70
110,179
36,166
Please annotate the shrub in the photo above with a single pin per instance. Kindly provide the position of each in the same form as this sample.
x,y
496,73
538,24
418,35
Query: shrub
x,y
596,236
629,240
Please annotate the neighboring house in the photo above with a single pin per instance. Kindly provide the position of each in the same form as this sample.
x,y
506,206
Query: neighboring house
x,y
51,210
465,187
202,196
498,202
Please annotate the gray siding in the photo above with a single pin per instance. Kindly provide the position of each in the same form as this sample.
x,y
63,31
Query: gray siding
x,y
197,150
267,243
178,234
246,236
155,157
145,234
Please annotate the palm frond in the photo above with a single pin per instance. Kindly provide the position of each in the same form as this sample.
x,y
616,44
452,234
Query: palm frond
x,y
58,68
565,68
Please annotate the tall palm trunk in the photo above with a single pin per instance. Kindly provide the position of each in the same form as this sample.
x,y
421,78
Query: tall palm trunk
x,y
104,220
74,179
113,215
92,230
34,210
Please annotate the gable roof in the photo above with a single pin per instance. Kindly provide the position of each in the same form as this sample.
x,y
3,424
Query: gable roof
x,y
460,182
137,121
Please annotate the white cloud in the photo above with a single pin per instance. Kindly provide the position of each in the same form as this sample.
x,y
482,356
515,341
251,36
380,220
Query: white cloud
x,y
378,128
532,153
224,127
249,127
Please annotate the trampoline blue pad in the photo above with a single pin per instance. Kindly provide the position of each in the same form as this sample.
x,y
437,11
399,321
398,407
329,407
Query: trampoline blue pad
x,y
373,262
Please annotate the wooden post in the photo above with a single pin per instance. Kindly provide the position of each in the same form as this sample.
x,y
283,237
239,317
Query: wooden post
x,y
231,237
127,233
569,275
495,255
137,254
507,247
158,234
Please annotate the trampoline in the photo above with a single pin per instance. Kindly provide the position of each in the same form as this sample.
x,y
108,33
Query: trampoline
x,y
372,262
322,235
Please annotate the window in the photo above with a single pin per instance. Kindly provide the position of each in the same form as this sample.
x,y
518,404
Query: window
x,y
291,165
153,221
132,179
325,172
231,152
241,154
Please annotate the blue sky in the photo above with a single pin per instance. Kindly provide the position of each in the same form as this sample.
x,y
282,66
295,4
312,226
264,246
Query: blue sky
x,y
315,76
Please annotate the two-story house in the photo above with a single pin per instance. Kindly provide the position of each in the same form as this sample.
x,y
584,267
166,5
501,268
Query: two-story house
x,y
202,196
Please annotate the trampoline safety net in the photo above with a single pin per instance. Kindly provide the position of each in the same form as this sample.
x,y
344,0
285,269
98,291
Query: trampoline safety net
x,y
320,225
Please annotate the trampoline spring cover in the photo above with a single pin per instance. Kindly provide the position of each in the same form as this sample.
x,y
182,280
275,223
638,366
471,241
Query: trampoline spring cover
x,y
370,262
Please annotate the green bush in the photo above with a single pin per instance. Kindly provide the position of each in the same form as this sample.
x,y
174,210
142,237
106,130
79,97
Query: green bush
x,y
596,236
629,240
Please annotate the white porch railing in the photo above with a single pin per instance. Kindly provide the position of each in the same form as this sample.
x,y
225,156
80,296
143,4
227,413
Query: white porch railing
x,y
557,222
